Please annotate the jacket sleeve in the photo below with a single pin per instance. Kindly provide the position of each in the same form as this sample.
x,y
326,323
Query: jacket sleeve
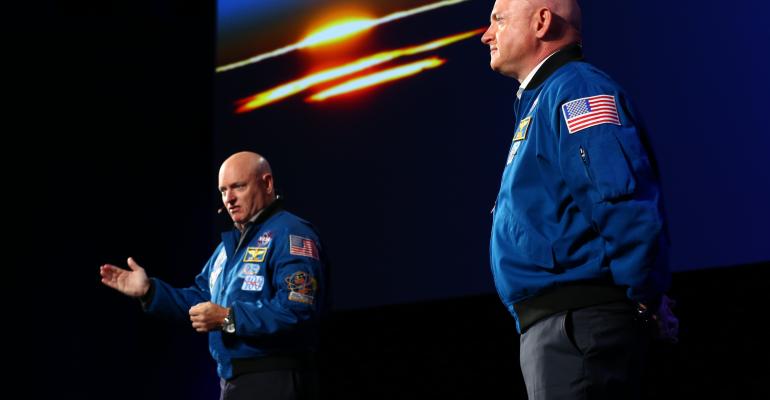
x,y
608,173
297,287
174,303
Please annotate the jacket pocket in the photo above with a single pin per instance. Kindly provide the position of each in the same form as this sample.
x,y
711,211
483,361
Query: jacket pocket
x,y
530,245
607,168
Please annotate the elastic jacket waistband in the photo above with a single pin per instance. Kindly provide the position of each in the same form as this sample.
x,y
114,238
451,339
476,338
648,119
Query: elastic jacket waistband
x,y
272,363
563,298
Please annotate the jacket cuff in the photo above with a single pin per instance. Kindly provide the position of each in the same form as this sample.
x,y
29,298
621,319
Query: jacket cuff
x,y
146,300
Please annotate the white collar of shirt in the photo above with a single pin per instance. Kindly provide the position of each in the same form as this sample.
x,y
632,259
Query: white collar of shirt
x,y
525,82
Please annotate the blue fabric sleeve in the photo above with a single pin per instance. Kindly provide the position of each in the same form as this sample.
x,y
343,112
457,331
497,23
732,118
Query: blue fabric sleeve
x,y
174,303
608,173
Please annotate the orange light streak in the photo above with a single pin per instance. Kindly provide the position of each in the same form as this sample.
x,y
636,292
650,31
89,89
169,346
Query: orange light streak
x,y
338,31
290,88
378,78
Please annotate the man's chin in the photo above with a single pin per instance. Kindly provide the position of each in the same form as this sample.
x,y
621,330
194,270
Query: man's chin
x,y
503,71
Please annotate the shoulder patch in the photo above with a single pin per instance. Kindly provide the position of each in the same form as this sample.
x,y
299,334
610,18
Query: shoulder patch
x,y
302,287
302,246
590,111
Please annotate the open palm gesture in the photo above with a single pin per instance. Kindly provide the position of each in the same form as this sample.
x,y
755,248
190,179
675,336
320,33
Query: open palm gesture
x,y
133,282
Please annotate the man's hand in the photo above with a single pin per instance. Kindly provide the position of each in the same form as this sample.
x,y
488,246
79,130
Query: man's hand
x,y
134,283
207,317
666,321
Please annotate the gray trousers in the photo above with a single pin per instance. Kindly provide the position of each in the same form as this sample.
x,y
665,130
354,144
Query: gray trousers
x,y
287,384
596,352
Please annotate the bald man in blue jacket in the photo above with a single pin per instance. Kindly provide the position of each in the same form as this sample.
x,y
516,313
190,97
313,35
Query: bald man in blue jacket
x,y
578,243
260,295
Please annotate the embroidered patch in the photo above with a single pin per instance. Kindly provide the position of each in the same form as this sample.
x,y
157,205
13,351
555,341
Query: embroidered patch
x,y
301,298
302,287
521,131
302,246
253,283
249,269
255,254
265,239
590,111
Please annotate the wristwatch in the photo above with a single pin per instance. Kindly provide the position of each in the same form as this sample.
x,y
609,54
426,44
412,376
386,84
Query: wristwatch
x,y
228,325
643,315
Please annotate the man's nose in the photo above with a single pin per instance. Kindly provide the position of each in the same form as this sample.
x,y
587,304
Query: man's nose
x,y
487,36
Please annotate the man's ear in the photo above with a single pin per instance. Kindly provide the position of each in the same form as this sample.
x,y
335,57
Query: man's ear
x,y
542,20
268,179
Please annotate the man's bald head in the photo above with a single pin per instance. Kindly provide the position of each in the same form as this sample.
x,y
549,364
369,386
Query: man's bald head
x,y
568,10
249,161
246,185
524,32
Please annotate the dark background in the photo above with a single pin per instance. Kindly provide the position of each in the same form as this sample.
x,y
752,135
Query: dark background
x,y
400,178
115,99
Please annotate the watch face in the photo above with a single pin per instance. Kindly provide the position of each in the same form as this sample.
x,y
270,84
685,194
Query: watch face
x,y
228,325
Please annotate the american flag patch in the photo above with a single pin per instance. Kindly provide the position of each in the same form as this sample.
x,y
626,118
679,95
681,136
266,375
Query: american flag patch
x,y
302,246
590,111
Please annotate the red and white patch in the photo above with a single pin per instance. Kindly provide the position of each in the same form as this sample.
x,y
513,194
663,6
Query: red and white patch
x,y
590,111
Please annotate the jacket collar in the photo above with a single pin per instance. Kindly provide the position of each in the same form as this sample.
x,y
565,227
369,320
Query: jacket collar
x,y
234,239
573,52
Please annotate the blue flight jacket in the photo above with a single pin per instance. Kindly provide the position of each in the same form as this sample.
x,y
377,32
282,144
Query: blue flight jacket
x,y
274,281
579,198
